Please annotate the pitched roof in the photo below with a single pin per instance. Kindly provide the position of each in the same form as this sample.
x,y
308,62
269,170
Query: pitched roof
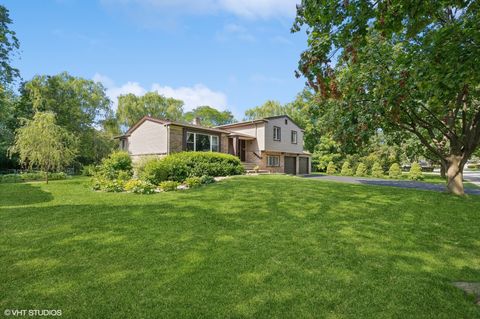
x,y
168,122
264,119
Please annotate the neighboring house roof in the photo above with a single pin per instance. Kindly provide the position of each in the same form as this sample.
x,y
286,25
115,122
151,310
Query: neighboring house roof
x,y
265,119
168,122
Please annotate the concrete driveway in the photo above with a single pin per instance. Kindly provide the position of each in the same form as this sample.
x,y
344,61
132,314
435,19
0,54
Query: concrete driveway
x,y
390,182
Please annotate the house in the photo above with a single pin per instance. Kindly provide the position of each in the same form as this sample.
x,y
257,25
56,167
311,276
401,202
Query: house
x,y
274,144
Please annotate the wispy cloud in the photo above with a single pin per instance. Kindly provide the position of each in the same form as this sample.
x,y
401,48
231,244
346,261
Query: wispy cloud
x,y
261,78
280,40
251,9
192,97
235,31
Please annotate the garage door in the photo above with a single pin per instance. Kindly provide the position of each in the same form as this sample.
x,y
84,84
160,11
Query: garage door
x,y
303,165
290,165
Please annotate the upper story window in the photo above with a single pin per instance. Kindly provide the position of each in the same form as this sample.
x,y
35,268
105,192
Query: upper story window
x,y
294,137
202,142
277,133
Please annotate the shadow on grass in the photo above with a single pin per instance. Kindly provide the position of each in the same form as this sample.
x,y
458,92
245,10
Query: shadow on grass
x,y
17,194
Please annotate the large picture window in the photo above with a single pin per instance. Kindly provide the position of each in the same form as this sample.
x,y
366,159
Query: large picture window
x,y
202,142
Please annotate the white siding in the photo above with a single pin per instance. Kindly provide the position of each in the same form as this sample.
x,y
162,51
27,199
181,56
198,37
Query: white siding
x,y
149,138
285,144
256,130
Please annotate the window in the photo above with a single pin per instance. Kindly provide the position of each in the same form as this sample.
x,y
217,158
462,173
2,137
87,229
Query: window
x,y
202,142
276,133
286,121
294,137
273,160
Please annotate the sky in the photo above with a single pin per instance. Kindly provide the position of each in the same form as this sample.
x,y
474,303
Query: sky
x,y
229,54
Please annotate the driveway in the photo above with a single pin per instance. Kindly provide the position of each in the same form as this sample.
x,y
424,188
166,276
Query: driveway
x,y
388,182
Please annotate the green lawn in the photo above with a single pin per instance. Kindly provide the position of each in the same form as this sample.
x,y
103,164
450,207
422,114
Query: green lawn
x,y
265,246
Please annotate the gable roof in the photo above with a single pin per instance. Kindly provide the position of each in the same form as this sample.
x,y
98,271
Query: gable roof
x,y
168,122
264,119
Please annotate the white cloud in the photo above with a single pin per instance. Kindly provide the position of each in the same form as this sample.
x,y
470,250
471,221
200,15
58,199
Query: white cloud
x,y
252,9
192,97
235,31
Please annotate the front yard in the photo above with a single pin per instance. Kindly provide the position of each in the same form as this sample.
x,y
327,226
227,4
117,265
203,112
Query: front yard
x,y
266,246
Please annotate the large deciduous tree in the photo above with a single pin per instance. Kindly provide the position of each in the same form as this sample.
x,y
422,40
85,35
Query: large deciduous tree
x,y
9,46
80,106
132,108
41,143
401,65
209,116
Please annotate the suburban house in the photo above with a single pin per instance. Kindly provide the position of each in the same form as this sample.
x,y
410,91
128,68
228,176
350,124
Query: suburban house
x,y
274,144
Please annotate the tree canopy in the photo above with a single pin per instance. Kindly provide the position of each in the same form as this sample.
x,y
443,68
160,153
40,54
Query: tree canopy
x,y
209,116
132,108
406,65
9,44
41,143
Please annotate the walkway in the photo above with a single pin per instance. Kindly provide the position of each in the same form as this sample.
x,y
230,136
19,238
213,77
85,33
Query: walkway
x,y
388,182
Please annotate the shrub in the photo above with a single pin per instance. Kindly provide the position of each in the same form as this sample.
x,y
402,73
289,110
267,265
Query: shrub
x,y
89,170
395,171
346,169
179,166
361,170
415,173
139,187
193,181
117,163
205,179
154,171
108,185
31,176
331,169
377,170
167,186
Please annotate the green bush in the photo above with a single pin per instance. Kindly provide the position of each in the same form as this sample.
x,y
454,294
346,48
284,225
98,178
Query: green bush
x,y
205,179
167,186
346,169
377,170
31,176
331,169
139,187
395,171
154,171
361,170
415,173
117,163
108,185
193,181
89,170
180,166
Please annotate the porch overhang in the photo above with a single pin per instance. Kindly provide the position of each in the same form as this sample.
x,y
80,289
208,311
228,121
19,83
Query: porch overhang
x,y
241,136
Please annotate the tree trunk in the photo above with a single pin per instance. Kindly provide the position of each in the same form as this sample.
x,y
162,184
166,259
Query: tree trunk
x,y
443,171
455,175
46,176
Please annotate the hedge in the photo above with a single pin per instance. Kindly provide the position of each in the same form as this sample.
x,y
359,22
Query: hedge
x,y
180,166
31,176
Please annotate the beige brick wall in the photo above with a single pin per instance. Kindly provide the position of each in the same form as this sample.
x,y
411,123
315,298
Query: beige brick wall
x,y
224,144
176,139
272,169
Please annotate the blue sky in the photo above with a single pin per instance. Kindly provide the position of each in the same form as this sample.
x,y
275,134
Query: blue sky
x,y
231,54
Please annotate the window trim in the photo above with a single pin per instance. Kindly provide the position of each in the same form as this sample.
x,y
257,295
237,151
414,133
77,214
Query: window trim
x,y
294,133
273,156
279,135
195,141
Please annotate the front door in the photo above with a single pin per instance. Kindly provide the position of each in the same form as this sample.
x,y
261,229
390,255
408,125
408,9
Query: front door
x,y
242,150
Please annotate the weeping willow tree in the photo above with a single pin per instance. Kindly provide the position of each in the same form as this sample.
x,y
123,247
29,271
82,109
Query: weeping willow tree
x,y
41,143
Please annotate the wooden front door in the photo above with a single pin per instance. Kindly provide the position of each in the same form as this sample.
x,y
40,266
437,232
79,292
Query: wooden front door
x,y
242,148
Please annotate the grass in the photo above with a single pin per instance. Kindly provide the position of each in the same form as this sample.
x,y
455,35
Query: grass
x,y
247,247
